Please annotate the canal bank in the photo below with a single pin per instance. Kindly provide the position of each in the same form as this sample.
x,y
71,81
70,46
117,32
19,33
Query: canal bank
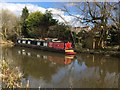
x,y
7,43
114,53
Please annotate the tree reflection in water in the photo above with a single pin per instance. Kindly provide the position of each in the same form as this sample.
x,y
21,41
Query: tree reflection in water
x,y
57,70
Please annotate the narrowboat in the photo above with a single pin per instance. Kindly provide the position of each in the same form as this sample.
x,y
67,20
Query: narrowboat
x,y
48,44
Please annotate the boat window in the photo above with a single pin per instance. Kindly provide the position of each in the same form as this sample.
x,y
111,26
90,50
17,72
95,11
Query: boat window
x,y
29,42
18,41
38,43
45,44
23,42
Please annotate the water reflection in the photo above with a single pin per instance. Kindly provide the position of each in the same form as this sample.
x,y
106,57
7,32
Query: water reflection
x,y
46,69
52,57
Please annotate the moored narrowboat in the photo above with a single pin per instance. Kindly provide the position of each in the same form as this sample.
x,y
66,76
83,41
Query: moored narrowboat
x,y
46,44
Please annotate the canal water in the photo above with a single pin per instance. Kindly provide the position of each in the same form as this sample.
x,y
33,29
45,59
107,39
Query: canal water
x,y
54,70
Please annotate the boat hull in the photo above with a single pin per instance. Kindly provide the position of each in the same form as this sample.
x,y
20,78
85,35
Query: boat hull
x,y
59,47
70,53
42,48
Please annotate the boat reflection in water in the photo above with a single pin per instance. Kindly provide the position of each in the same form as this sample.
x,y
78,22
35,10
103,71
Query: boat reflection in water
x,y
68,59
53,70
60,59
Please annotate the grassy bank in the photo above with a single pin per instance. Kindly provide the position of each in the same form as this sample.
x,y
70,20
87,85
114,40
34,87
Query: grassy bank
x,y
6,43
11,77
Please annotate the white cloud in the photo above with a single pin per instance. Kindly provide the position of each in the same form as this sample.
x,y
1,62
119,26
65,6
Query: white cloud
x,y
17,8
57,14
56,11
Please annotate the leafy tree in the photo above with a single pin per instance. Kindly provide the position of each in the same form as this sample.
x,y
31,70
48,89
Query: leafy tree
x,y
25,13
38,24
48,21
34,24
60,31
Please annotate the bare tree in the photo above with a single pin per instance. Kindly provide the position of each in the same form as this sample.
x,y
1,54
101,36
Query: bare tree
x,y
94,12
99,14
9,23
70,25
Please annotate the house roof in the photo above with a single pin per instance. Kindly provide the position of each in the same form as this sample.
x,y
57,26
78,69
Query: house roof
x,y
78,29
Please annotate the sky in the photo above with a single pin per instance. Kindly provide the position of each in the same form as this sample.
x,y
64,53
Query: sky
x,y
54,7
16,6
59,0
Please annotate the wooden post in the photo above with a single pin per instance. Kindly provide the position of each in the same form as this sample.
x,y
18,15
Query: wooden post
x,y
94,43
102,44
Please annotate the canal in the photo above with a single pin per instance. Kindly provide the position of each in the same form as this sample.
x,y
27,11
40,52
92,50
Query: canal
x,y
54,70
